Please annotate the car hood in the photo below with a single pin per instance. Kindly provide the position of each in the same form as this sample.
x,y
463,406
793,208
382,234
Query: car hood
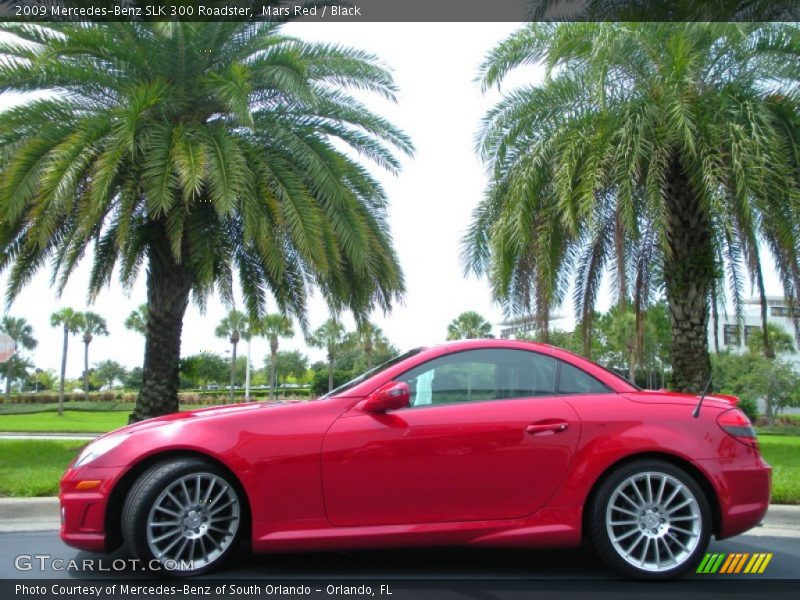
x,y
204,413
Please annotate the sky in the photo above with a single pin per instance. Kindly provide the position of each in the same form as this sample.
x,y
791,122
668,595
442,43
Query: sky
x,y
440,107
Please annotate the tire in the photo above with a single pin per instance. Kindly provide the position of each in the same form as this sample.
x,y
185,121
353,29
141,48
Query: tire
x,y
184,517
645,531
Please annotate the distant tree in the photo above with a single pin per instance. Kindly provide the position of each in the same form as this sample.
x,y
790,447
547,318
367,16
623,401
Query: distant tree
x,y
329,337
21,371
93,324
618,327
137,320
133,380
22,334
234,326
109,371
469,325
568,340
71,322
321,381
781,341
752,377
369,335
45,379
273,327
201,369
287,363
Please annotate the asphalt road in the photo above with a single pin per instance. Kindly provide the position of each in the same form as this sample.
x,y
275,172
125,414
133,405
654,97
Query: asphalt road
x,y
437,563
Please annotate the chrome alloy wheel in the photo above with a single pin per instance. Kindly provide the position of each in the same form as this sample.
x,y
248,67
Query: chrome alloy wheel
x,y
653,521
193,521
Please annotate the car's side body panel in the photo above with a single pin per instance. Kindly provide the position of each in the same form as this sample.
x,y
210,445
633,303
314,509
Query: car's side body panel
x,y
461,462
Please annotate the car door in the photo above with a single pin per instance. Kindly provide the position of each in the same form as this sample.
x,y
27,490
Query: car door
x,y
484,438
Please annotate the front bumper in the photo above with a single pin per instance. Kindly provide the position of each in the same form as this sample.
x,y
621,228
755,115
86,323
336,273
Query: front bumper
x,y
83,512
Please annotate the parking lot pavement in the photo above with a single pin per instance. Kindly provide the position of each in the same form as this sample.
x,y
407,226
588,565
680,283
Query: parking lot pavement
x,y
42,555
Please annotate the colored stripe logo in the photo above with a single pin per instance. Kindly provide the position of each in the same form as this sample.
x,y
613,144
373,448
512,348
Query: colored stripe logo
x,y
734,562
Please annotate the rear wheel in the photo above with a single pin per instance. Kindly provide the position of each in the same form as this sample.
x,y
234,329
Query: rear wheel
x,y
184,515
650,520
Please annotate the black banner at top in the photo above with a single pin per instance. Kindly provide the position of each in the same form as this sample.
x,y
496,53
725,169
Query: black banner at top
x,y
333,11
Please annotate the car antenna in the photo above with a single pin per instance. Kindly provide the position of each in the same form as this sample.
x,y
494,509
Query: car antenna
x,y
696,412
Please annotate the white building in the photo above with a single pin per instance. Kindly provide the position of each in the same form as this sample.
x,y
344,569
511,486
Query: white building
x,y
734,334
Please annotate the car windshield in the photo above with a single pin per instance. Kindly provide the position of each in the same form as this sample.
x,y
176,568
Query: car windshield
x,y
374,371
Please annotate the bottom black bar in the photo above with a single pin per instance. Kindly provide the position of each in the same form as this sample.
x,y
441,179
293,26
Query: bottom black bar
x,y
395,589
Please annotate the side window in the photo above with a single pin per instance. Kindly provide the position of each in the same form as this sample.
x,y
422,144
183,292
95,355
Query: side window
x,y
477,375
572,380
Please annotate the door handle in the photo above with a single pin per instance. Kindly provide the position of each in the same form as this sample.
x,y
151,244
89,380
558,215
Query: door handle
x,y
556,427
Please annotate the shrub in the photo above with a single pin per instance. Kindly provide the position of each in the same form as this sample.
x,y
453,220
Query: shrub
x,y
749,407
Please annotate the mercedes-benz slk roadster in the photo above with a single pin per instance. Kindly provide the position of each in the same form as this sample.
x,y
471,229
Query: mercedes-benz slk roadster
x,y
493,443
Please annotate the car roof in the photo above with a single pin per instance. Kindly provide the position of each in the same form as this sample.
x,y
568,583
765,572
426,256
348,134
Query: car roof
x,y
610,379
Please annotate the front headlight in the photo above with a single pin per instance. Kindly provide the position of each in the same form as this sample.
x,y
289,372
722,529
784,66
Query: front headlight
x,y
99,447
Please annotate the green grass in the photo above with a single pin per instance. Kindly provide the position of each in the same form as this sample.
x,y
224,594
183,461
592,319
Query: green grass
x,y
81,405
73,422
75,419
783,453
33,468
790,430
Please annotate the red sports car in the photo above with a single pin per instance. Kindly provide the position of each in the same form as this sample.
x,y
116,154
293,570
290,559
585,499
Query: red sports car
x,y
482,442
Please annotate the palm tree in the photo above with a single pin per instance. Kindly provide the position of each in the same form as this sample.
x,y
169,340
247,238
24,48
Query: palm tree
x,y
22,333
369,336
233,327
469,325
328,336
274,327
137,320
198,149
93,324
664,153
71,322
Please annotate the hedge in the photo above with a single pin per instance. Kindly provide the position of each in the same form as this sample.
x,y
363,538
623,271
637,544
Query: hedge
x,y
200,397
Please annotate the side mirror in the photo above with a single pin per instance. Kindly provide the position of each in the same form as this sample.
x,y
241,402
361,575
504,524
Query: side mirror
x,y
391,396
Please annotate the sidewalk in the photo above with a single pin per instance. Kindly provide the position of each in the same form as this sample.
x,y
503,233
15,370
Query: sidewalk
x,y
42,514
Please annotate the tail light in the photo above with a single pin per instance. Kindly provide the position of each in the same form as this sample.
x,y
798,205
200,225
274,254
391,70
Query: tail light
x,y
736,424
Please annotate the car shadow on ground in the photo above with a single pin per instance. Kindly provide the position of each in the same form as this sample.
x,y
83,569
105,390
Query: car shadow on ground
x,y
406,563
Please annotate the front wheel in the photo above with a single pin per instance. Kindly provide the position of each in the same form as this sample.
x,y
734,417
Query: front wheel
x,y
650,520
183,516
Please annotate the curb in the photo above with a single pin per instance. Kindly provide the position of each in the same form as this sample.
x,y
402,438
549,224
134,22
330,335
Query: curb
x,y
29,514
42,514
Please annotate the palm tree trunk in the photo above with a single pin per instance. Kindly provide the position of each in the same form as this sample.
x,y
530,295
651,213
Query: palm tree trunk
x,y
632,366
168,287
86,370
63,372
688,274
715,318
273,357
233,371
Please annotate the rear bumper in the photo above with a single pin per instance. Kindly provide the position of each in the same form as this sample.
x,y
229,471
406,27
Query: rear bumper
x,y
743,492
